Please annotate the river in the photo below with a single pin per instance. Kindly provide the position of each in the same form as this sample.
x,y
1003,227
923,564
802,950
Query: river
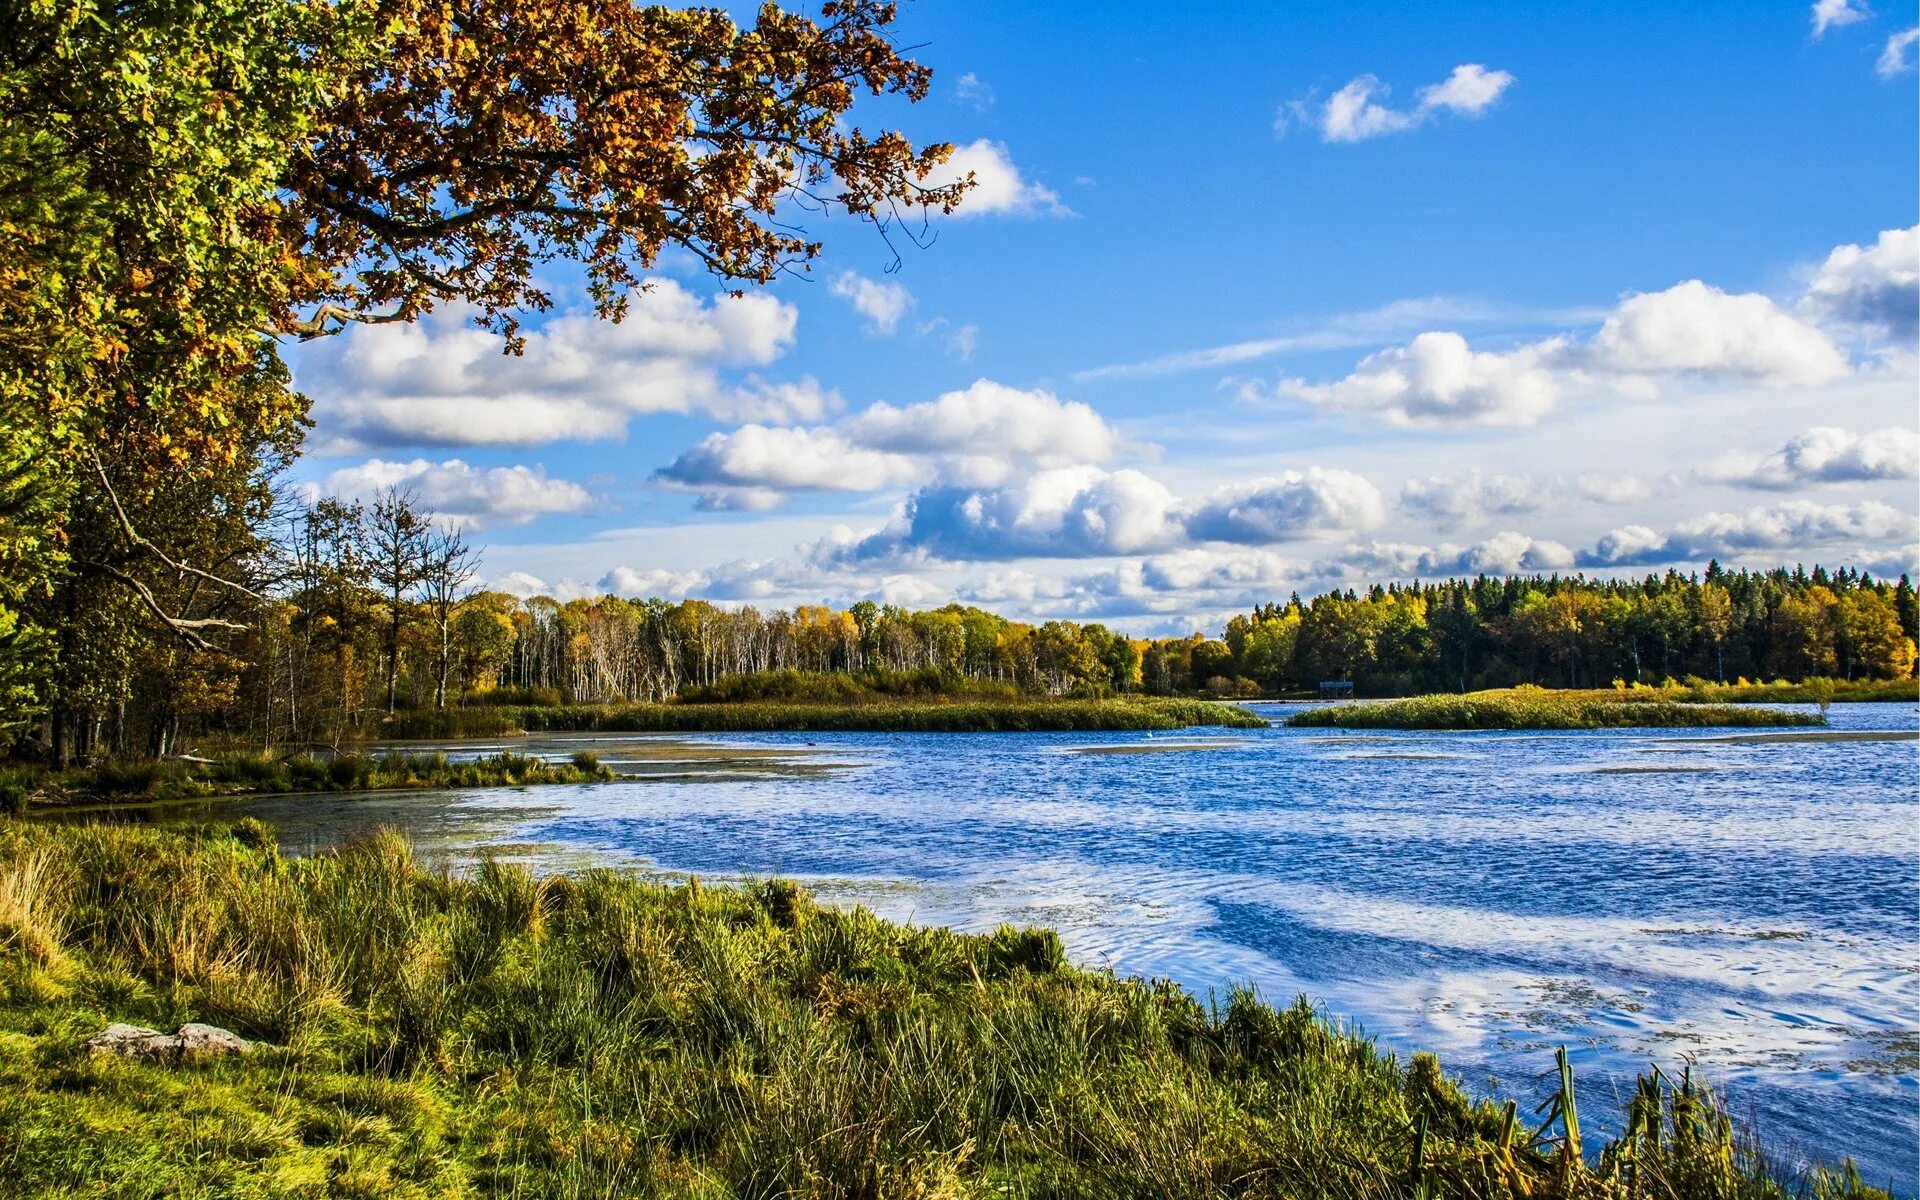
x,y
1749,903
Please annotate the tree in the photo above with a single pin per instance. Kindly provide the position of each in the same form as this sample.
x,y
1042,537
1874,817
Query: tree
x,y
449,569
1716,622
181,184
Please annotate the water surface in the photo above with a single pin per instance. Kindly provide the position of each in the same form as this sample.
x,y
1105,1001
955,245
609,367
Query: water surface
x,y
1746,903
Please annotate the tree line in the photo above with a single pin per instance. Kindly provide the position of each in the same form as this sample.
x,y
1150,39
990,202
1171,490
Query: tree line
x,y
366,609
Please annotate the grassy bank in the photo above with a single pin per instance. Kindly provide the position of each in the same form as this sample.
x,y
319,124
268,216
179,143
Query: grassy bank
x,y
502,1035
1539,708
932,714
244,774
1812,691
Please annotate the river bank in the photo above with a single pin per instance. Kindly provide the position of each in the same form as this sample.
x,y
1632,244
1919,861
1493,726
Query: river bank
x,y
1541,708
915,714
427,1034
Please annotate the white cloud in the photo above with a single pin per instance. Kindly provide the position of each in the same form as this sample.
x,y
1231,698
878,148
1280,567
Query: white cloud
x,y
999,187
971,89
881,303
440,381
1504,553
1086,512
978,436
990,424
1471,90
771,459
1438,379
1689,329
1613,489
1453,501
783,403
1893,56
1789,526
463,495
1692,327
1357,111
961,342
1825,454
1829,13
1875,285
672,585
1284,507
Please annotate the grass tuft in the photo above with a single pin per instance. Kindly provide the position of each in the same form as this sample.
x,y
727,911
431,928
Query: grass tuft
x,y
499,1034
1528,707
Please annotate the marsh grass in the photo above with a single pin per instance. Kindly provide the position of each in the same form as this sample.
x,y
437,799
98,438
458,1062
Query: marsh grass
x,y
498,1034
253,773
1528,707
875,714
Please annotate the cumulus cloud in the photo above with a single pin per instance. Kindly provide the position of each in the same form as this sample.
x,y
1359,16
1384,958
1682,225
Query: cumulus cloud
x,y
999,186
1893,58
463,495
1791,525
1694,328
1439,379
1504,553
980,435
1358,110
1284,507
1877,285
672,585
1453,501
991,422
1088,512
773,459
1827,14
882,303
1825,454
440,381
1690,329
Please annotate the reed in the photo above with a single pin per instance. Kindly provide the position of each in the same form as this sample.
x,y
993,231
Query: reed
x,y
258,773
1539,708
896,714
506,1035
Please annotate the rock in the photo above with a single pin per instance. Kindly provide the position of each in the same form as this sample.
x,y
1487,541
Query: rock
x,y
209,1041
192,1042
133,1041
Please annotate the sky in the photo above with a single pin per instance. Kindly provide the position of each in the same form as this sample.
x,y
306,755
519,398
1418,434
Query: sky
x,y
1248,299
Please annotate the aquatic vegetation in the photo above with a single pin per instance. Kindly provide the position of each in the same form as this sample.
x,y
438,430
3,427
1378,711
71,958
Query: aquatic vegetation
x,y
503,1034
237,774
1540,708
1780,691
906,714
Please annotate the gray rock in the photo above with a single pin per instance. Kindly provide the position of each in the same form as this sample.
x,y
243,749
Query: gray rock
x,y
192,1042
209,1041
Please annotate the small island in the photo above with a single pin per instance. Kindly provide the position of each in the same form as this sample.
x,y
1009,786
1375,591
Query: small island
x,y
1527,707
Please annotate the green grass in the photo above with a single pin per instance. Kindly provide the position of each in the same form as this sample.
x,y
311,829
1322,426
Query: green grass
x,y
930,714
242,774
1779,691
501,1035
1538,708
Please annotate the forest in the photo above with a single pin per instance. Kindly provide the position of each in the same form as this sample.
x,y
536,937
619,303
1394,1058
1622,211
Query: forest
x,y
373,611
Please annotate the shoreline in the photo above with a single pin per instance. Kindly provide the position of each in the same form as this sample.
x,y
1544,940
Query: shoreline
x,y
570,1008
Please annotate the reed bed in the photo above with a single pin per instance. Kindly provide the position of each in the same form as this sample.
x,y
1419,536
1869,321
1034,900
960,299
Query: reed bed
x,y
257,773
499,1034
1539,708
892,714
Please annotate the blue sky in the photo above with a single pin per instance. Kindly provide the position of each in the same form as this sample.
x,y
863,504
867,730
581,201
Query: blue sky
x,y
1251,298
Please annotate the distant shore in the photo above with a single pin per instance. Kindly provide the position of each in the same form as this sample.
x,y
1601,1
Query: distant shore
x,y
1540,708
917,714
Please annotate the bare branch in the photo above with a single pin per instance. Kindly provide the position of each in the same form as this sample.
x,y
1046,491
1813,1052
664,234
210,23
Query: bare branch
x,y
141,543
187,629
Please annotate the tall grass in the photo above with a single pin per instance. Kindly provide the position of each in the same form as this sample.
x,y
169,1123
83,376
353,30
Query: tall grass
x,y
920,714
505,1035
232,774
1527,707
